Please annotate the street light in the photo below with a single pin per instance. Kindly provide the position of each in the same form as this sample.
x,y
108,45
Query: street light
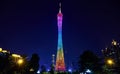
x,y
110,62
20,61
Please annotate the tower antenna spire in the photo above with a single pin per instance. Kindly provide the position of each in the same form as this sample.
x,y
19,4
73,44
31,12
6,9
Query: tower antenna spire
x,y
60,7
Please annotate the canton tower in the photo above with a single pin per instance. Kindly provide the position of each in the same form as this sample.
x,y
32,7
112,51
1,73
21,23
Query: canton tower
x,y
60,63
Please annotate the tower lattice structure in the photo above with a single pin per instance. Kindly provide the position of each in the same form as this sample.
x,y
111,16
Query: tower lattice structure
x,y
60,63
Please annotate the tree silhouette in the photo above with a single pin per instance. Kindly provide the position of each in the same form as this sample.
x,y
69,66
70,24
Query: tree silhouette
x,y
52,69
43,69
34,63
4,62
88,60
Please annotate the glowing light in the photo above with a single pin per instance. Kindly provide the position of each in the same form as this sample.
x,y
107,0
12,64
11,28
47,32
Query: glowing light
x,y
110,61
60,64
0,49
69,70
114,42
88,71
60,8
20,61
48,70
4,51
31,69
16,55
38,72
53,55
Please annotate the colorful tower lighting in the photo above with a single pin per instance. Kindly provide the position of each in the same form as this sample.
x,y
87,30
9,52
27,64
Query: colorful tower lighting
x,y
60,63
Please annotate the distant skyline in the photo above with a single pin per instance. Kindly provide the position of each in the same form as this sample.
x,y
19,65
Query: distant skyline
x,y
28,26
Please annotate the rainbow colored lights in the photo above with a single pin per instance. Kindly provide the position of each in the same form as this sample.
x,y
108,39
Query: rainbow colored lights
x,y
60,64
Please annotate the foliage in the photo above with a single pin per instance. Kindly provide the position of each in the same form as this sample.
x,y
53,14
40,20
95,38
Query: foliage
x,y
52,69
88,60
34,63
43,69
8,65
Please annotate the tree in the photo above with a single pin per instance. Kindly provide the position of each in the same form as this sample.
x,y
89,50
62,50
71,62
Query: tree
x,y
88,60
43,69
34,63
52,69
4,62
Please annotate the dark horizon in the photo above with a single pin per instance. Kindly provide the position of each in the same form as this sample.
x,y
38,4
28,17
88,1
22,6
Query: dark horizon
x,y
31,27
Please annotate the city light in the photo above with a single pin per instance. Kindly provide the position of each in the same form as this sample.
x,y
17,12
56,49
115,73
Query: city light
x,y
88,71
110,62
20,61
48,70
38,72
15,55
4,51
0,49
31,69
69,70
114,42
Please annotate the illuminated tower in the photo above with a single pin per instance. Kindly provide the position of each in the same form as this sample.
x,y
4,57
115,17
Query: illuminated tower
x,y
60,63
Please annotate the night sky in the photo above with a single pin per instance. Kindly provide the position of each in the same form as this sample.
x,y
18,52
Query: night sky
x,y
30,26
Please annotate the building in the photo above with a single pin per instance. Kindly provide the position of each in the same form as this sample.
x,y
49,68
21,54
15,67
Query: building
x,y
60,63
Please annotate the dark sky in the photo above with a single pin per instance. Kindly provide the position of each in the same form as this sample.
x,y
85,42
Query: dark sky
x,y
30,26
